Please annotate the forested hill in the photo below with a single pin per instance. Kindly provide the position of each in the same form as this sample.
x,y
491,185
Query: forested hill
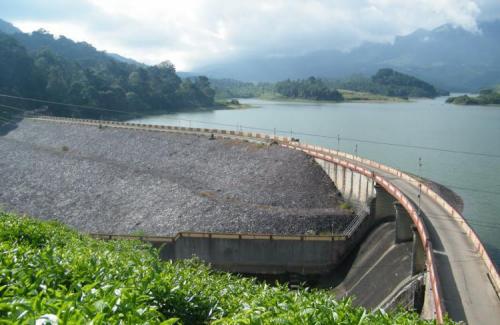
x,y
311,88
385,82
388,82
64,71
8,28
485,97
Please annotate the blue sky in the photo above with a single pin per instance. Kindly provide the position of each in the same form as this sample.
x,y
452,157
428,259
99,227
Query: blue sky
x,y
191,33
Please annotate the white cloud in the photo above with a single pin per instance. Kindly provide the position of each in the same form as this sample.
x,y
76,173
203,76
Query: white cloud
x,y
194,32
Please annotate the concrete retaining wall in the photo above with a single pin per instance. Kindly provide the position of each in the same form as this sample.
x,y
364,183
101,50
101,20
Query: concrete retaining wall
x,y
258,254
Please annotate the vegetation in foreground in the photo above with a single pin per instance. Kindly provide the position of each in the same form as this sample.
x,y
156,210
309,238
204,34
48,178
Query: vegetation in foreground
x,y
51,271
486,97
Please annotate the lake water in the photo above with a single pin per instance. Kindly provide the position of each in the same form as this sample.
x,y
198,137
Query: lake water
x,y
421,123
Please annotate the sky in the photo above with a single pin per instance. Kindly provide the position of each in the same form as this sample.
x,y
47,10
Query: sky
x,y
193,33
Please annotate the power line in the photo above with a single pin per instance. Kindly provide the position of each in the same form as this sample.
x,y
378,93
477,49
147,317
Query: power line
x,y
69,105
422,147
229,125
265,129
490,155
472,189
14,108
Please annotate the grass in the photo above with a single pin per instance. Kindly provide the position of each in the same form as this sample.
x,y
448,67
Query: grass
x,y
48,270
347,206
351,96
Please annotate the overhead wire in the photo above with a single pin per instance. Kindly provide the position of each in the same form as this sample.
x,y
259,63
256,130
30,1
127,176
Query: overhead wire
x,y
254,128
349,139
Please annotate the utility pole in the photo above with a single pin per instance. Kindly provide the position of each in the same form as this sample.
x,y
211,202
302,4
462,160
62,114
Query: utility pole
x,y
338,142
419,184
356,150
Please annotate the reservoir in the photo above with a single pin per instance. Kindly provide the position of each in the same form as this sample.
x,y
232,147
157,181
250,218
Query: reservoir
x,y
458,146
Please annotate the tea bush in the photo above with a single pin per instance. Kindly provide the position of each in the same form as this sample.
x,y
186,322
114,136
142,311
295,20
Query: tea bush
x,y
49,270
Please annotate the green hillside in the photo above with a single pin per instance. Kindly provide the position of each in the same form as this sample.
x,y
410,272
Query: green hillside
x,y
485,97
48,269
39,65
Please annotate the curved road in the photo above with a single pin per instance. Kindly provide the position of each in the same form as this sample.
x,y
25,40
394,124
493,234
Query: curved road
x,y
468,294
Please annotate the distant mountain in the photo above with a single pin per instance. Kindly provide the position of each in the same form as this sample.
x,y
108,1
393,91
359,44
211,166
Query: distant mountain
x,y
448,57
8,28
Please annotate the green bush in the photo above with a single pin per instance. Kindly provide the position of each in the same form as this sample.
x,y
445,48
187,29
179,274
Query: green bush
x,y
48,269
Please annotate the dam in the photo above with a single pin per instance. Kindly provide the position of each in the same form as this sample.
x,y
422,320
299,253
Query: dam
x,y
384,229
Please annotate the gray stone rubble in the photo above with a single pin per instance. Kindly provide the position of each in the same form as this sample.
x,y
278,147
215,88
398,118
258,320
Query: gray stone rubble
x,y
127,181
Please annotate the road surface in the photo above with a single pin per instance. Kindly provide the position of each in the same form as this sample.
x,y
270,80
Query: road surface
x,y
468,294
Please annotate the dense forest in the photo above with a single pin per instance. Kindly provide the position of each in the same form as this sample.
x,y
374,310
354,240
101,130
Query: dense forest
x,y
39,65
486,97
390,83
385,82
230,88
311,88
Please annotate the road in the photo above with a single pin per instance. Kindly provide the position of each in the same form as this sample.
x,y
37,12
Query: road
x,y
468,294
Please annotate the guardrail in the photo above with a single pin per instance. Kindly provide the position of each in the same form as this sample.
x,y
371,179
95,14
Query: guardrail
x,y
250,236
178,129
331,156
409,207
452,212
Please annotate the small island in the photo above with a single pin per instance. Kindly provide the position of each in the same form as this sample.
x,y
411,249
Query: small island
x,y
385,85
485,97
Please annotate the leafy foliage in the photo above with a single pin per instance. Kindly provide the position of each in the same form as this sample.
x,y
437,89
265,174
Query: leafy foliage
x,y
229,88
64,71
48,269
388,82
311,88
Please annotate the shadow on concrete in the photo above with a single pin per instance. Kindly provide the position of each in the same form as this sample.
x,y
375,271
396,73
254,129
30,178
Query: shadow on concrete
x,y
375,269
453,306
6,127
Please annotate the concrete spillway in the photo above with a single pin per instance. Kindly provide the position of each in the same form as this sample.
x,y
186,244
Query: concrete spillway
x,y
376,268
